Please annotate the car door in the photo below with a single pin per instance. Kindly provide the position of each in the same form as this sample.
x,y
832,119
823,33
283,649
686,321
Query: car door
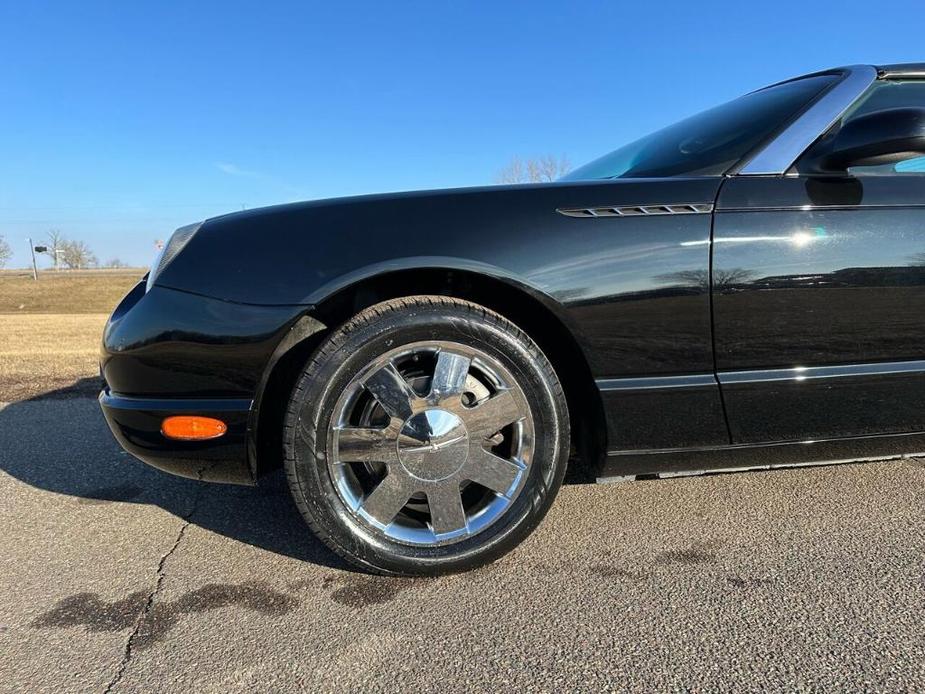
x,y
819,294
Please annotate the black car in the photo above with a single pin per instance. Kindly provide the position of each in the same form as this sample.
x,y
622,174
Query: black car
x,y
744,289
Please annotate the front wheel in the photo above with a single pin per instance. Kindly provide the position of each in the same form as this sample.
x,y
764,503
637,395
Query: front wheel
x,y
426,435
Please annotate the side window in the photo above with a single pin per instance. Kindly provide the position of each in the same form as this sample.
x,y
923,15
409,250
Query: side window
x,y
914,165
883,95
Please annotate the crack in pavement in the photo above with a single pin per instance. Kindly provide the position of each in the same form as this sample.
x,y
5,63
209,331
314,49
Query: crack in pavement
x,y
127,652
159,580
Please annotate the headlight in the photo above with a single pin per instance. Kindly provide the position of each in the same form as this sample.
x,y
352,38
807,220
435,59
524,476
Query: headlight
x,y
171,249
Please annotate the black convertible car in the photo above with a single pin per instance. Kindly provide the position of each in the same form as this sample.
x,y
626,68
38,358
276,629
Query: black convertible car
x,y
744,289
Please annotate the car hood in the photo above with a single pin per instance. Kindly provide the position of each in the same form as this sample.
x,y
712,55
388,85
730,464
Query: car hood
x,y
298,253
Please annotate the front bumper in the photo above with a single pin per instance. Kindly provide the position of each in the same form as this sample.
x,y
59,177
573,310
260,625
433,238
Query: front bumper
x,y
166,352
136,424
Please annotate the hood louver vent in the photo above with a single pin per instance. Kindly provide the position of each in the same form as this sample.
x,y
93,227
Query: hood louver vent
x,y
635,210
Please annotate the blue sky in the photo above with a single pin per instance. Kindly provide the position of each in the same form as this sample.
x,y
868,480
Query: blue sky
x,y
120,121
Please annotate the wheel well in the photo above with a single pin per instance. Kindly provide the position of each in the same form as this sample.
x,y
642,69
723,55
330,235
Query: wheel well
x,y
586,410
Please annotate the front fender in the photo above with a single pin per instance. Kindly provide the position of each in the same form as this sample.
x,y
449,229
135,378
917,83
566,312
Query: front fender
x,y
630,288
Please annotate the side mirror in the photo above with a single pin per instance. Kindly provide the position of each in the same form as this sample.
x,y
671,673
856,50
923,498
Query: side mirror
x,y
881,137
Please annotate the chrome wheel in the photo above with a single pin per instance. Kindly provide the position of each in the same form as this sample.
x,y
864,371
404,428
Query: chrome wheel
x,y
431,443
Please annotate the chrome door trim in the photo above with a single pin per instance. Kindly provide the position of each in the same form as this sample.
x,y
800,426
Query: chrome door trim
x,y
812,373
793,375
781,153
657,382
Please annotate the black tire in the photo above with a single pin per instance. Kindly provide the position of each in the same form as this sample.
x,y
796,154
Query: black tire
x,y
337,362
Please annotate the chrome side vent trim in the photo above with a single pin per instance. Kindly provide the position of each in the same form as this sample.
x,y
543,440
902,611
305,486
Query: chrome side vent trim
x,y
635,210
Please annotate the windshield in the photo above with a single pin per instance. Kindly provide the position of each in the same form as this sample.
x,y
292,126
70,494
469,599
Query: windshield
x,y
712,142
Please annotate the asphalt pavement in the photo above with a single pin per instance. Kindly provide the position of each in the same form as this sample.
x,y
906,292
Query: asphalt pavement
x,y
116,577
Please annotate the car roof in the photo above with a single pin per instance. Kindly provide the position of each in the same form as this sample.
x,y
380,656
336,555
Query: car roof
x,y
904,70
909,71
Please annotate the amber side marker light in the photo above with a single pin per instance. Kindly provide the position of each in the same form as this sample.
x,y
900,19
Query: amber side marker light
x,y
188,428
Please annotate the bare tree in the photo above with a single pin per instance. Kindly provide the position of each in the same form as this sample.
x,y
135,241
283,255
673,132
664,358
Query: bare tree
x,y
722,279
5,252
115,263
534,170
731,277
686,278
54,246
917,258
77,255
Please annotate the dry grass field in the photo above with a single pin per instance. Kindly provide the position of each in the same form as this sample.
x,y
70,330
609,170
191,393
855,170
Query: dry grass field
x,y
45,352
50,330
72,291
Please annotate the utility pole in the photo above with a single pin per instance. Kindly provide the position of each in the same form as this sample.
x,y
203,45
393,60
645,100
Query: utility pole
x,y
35,270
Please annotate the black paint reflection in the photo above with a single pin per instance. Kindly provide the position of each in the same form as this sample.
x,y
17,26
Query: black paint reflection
x,y
838,285
831,287
639,292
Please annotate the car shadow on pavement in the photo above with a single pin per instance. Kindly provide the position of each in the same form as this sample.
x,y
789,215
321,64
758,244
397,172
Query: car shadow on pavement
x,y
59,442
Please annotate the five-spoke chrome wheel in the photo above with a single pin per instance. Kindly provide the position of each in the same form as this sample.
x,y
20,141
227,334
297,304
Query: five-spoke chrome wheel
x,y
431,443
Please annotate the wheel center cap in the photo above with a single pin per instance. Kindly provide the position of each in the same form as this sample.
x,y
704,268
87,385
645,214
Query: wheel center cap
x,y
433,444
